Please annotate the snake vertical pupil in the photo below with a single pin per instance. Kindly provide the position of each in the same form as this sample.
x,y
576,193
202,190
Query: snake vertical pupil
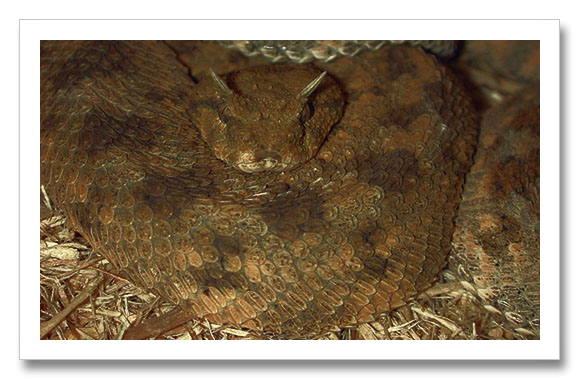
x,y
306,112
225,114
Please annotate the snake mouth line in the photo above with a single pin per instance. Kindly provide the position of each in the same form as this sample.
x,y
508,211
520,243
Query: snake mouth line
x,y
261,166
249,162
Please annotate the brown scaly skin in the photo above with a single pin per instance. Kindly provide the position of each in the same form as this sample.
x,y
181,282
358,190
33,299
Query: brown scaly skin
x,y
497,237
348,234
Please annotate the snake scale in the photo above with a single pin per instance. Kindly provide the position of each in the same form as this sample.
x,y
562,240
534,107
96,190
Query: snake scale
x,y
289,199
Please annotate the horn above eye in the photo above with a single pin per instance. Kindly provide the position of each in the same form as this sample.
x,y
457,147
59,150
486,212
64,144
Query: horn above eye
x,y
310,87
222,87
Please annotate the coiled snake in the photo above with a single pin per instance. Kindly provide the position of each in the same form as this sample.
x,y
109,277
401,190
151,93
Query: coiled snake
x,y
282,198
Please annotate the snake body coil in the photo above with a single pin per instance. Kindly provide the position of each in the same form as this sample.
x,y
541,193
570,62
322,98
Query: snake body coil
x,y
355,226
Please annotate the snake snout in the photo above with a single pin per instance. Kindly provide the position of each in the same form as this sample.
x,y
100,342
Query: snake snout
x,y
251,162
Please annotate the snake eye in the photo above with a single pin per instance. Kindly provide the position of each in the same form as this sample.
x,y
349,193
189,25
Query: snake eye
x,y
225,115
306,113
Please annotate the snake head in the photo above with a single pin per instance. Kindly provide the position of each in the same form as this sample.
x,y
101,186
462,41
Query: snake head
x,y
269,118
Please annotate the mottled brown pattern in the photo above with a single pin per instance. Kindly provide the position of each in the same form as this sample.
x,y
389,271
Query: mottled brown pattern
x,y
497,238
351,233
518,60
